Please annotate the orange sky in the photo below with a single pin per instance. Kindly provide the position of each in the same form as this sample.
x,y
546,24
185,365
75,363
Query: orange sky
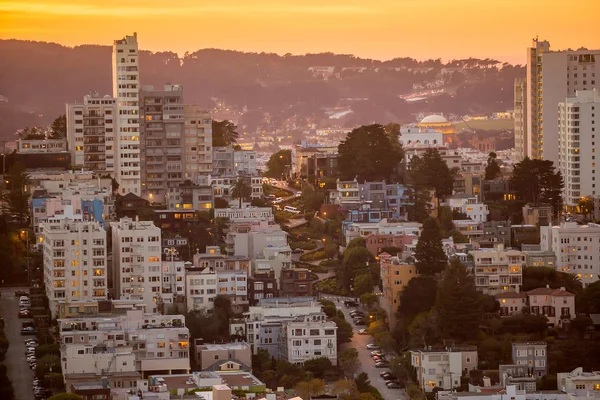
x,y
381,29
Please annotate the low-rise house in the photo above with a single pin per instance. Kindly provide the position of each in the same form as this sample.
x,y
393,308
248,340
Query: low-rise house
x,y
517,375
201,288
295,282
512,303
215,357
443,368
532,355
305,339
579,383
557,305
262,285
537,214
377,242
469,205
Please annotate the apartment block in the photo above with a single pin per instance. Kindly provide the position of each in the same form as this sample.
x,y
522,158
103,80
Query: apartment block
x,y
262,285
223,186
160,343
537,214
250,239
234,284
498,270
108,308
244,162
92,128
211,357
576,248
551,77
74,254
352,230
221,262
295,282
162,142
126,86
173,280
223,161
443,368
579,383
395,275
197,144
305,339
517,375
194,197
533,355
522,138
201,288
557,305
577,144
377,242
137,261
469,205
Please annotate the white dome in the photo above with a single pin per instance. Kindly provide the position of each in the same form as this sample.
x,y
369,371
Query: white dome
x,y
434,119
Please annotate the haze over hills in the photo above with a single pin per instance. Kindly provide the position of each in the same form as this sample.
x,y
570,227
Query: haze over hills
x,y
38,78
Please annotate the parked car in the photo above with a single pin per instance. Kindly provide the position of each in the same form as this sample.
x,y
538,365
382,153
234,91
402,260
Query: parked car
x,y
389,377
28,331
298,194
278,200
25,314
357,314
297,251
360,322
394,385
21,293
379,358
350,303
372,346
385,373
381,364
377,353
363,332
391,381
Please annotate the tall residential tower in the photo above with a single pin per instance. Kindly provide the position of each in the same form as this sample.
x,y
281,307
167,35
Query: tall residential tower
x,y
126,85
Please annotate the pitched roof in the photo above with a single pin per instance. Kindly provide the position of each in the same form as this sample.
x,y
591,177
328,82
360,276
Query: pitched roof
x,y
549,292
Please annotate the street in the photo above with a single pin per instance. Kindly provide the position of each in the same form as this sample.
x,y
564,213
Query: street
x,y
367,364
18,369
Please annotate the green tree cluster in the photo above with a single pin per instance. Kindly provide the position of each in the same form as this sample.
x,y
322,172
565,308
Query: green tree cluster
x,y
15,197
242,190
430,171
212,327
492,168
430,256
279,163
58,129
535,181
224,133
369,153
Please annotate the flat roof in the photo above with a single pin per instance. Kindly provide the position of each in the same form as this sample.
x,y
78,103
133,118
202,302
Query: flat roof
x,y
224,346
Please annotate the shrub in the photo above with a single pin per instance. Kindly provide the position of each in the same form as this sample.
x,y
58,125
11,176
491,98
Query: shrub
x,y
329,263
304,245
317,255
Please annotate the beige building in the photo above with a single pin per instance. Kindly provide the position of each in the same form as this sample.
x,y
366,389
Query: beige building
x,y
579,383
216,357
557,305
521,136
80,308
197,143
537,215
498,270
443,368
395,275
511,303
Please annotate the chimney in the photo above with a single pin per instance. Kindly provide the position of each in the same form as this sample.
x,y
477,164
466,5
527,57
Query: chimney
x,y
562,288
547,286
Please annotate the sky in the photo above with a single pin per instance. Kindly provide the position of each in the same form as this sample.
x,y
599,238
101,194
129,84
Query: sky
x,y
380,29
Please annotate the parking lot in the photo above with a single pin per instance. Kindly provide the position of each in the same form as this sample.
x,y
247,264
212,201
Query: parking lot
x,y
18,369
367,364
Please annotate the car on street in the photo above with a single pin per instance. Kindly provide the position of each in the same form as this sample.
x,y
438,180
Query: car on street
x,y
372,346
394,385
389,378
363,331
278,200
385,373
21,293
28,331
357,313
381,364
297,251
360,322
350,303
298,194
25,314
379,358
377,353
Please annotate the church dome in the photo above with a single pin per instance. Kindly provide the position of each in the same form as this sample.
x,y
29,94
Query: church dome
x,y
434,119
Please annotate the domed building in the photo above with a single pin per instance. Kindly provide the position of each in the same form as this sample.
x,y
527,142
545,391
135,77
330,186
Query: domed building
x,y
439,124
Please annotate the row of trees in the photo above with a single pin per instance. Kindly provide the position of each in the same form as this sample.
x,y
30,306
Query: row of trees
x,y
6,388
58,130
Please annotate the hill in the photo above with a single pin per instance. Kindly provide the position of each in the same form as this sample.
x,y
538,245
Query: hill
x,y
39,78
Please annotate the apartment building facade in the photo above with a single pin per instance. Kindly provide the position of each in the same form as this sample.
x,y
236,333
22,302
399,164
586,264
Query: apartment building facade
x,y
305,339
197,143
522,137
577,144
443,368
551,77
201,288
576,248
578,382
74,254
245,214
223,186
395,275
160,343
162,142
498,270
92,128
210,357
126,86
137,258
534,355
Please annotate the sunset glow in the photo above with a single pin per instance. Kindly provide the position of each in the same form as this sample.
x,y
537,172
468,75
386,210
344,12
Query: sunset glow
x,y
381,29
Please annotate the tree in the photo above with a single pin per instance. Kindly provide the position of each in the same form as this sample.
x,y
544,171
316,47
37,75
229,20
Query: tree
x,y
345,389
431,171
66,396
368,299
15,196
242,189
458,304
331,250
223,312
581,323
344,329
279,163
6,387
492,169
429,255
418,296
591,298
368,154
586,206
349,361
424,330
224,133
363,283
536,182
312,199
306,389
318,366
363,384
58,129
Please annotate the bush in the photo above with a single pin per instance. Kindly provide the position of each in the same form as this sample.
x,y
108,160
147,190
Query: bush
x,y
331,286
317,255
304,245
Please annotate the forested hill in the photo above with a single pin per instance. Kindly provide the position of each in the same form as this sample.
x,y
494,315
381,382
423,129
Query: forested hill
x,y
39,78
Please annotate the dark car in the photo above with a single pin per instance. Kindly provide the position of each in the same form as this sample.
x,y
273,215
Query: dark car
x,y
349,303
28,331
360,322
19,293
25,314
394,385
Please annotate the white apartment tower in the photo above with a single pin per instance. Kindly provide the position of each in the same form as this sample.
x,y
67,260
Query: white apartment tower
x,y
577,117
126,85
551,77
521,136
74,255
197,143
91,128
137,256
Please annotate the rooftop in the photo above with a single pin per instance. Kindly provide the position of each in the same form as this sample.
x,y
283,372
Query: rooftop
x,y
224,346
240,379
550,292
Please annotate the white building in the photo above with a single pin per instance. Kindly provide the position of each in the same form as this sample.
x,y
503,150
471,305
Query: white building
x,y
305,339
92,133
411,135
250,239
469,205
551,77
173,280
577,144
246,214
198,143
201,288
274,258
160,343
234,284
576,249
498,270
74,261
443,367
352,230
579,383
137,272
244,162
557,305
126,86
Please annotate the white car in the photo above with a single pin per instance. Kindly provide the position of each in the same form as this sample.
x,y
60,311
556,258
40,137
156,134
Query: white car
x,y
278,200
372,346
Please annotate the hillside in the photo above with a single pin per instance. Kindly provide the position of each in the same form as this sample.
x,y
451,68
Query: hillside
x,y
39,78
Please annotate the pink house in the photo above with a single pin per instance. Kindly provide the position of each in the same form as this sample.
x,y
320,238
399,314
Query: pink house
x,y
557,305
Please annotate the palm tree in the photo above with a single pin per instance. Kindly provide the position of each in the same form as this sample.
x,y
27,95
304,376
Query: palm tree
x,y
242,189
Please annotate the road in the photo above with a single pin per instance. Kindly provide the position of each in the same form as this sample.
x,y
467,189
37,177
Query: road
x,y
18,369
367,365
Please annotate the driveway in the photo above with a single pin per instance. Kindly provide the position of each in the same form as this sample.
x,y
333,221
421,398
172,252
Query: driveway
x,y
367,365
18,369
